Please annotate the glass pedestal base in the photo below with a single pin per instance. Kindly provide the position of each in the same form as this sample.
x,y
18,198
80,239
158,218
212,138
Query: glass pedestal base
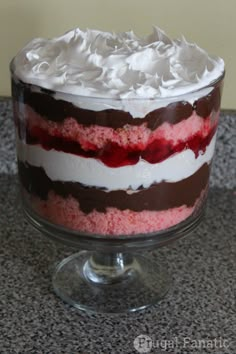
x,y
110,283
112,276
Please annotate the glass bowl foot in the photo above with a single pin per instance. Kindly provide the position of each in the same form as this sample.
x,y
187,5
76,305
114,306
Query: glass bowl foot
x,y
110,282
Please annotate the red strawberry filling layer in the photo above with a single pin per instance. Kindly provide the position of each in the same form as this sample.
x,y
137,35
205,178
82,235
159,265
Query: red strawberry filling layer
x,y
123,146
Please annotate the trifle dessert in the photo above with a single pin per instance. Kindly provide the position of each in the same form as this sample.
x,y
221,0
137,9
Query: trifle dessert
x,y
115,133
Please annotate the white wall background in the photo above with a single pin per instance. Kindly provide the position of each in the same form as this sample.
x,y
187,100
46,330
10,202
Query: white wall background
x,y
210,23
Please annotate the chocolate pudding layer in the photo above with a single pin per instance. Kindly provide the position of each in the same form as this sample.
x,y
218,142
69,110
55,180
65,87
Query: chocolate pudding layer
x,y
47,106
161,196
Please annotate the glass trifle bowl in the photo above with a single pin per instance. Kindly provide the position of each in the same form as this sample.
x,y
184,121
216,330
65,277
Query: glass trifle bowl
x,y
114,177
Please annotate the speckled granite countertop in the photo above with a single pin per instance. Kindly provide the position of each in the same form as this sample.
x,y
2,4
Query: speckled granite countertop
x,y
201,305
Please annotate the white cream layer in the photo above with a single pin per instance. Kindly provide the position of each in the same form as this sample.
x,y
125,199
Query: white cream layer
x,y
60,166
137,107
122,66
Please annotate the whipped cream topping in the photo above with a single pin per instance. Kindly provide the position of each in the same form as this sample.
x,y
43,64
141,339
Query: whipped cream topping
x,y
103,64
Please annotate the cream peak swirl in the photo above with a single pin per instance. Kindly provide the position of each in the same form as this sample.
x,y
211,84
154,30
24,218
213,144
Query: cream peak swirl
x,y
123,65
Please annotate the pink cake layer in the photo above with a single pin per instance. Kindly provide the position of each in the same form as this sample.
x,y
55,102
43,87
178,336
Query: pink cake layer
x,y
95,137
67,213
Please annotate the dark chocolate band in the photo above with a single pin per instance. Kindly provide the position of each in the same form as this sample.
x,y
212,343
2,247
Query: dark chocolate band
x,y
55,110
160,196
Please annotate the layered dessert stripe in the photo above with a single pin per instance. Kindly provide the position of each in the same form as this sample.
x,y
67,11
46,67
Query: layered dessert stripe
x,y
161,196
118,147
52,109
67,167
